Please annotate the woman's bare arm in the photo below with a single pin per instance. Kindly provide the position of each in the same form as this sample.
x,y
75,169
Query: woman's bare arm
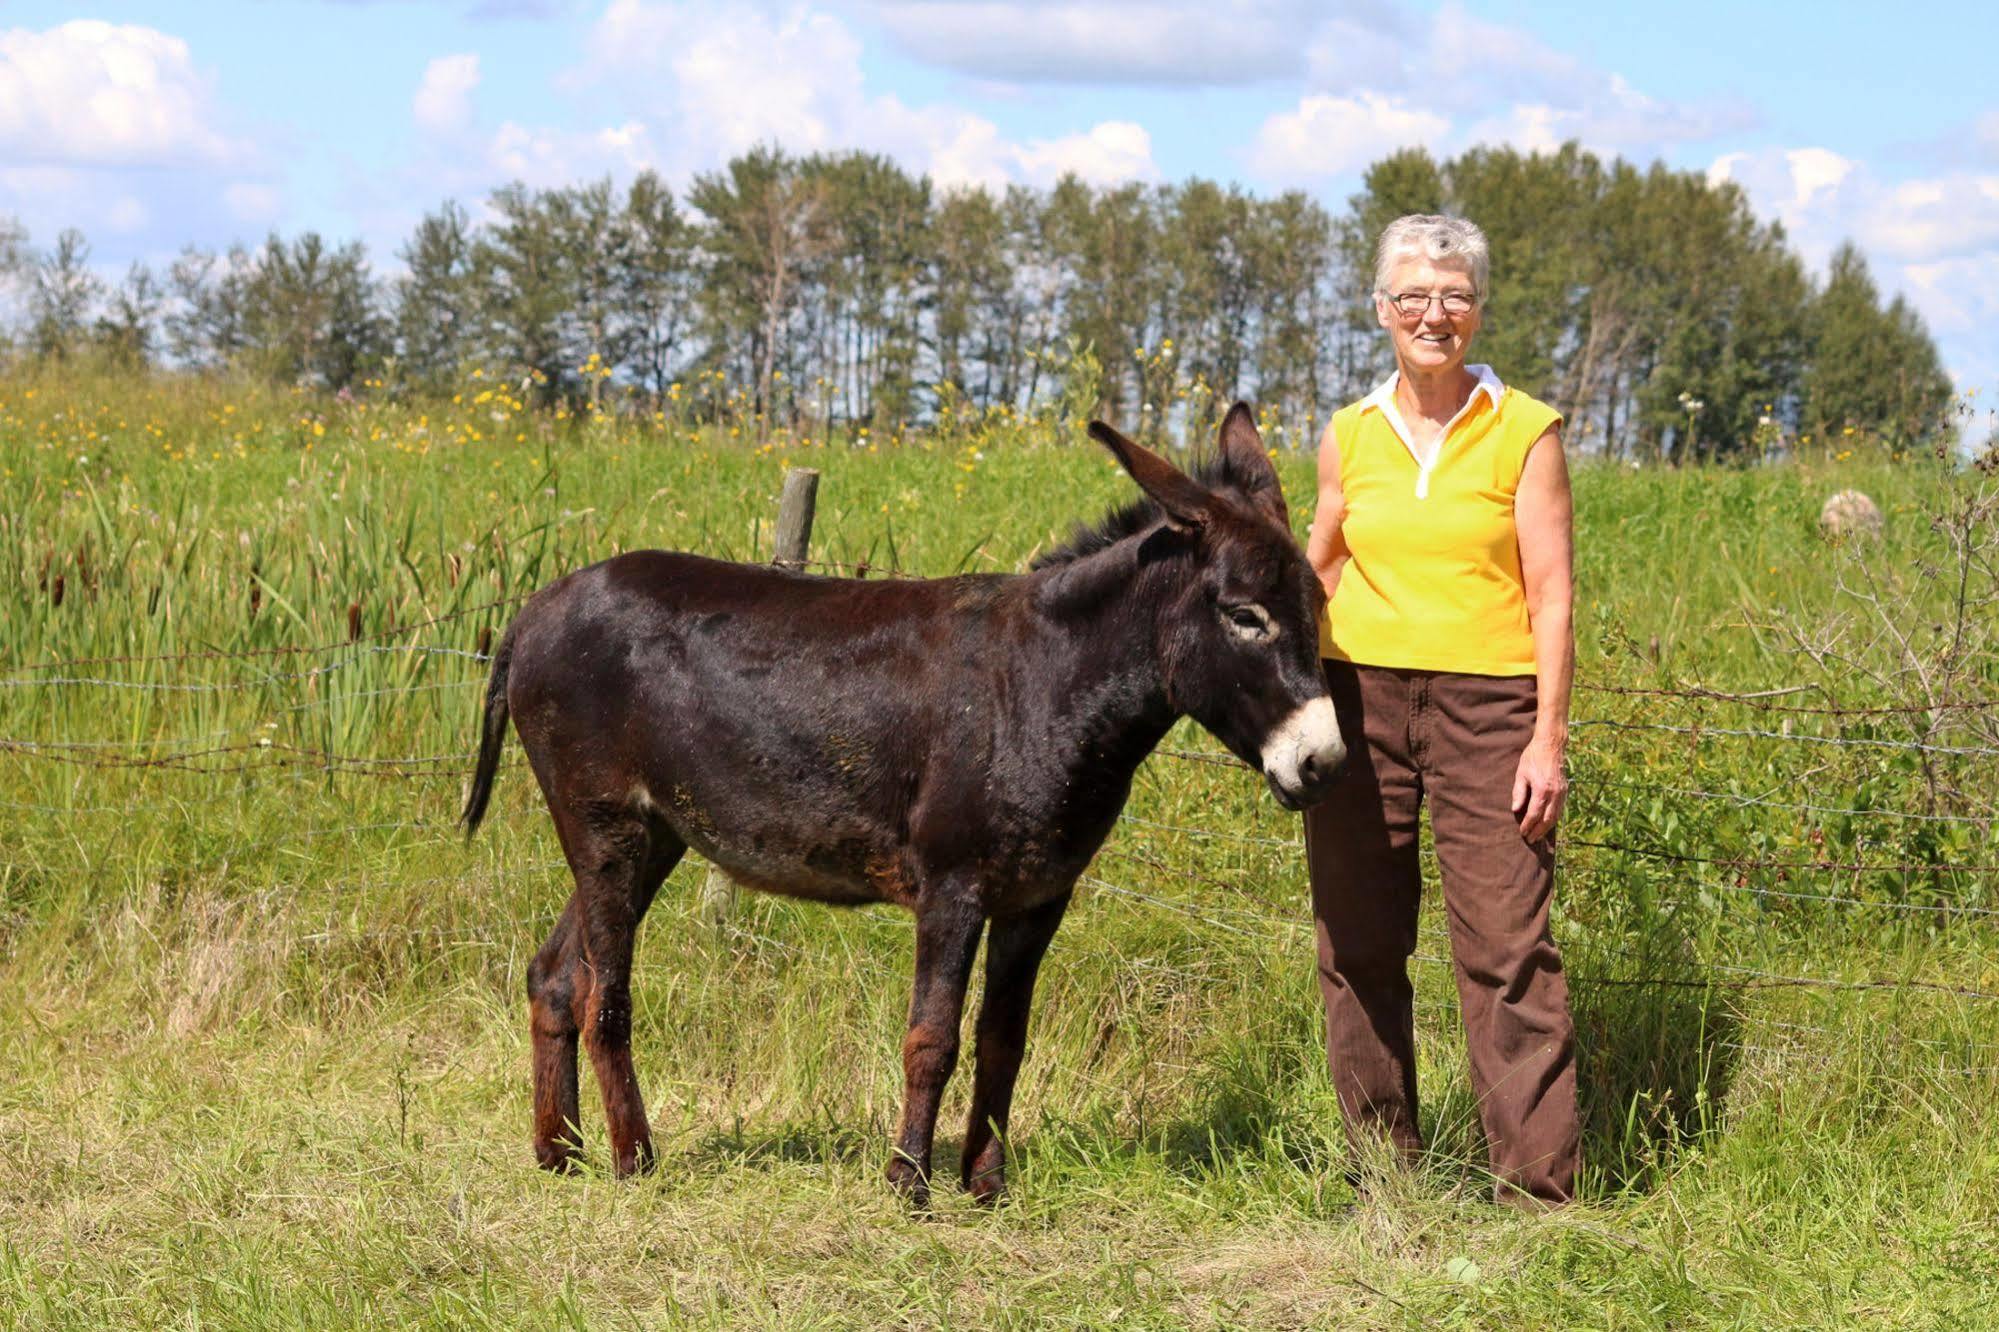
x,y
1326,546
1544,518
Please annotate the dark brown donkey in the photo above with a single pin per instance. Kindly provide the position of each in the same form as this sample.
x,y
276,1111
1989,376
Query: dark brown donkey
x,y
961,746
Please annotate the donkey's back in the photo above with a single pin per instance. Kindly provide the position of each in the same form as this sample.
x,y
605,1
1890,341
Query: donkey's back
x,y
790,728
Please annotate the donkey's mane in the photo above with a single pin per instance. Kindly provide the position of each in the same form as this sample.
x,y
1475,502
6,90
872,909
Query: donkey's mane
x,y
1129,519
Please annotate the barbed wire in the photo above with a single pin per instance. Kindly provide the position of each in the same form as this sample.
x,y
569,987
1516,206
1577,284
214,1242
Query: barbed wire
x,y
1757,699
1825,1059
1858,741
1760,802
1291,843
281,756
194,755
281,650
1814,866
262,681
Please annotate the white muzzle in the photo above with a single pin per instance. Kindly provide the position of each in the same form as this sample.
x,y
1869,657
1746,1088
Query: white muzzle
x,y
1304,751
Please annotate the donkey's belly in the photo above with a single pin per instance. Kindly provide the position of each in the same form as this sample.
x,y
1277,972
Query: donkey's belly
x,y
784,847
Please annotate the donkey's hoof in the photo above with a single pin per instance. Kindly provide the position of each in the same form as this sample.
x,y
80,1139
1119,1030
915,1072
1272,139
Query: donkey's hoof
x,y
987,1187
910,1183
561,1158
640,1160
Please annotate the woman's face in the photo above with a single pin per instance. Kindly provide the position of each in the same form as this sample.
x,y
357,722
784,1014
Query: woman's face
x,y
1432,338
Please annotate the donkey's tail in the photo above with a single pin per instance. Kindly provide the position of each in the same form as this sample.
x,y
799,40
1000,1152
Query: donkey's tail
x,y
492,735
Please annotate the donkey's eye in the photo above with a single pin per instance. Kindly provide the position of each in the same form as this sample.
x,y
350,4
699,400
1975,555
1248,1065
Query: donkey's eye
x,y
1250,622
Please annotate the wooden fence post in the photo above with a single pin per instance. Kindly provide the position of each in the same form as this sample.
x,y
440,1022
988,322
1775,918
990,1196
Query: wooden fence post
x,y
794,543
794,516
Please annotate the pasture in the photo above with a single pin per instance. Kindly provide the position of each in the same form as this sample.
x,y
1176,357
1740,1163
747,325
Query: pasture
x,y
265,1053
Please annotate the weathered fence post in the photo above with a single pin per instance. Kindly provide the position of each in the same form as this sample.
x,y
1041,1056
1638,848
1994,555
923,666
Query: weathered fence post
x,y
794,543
794,516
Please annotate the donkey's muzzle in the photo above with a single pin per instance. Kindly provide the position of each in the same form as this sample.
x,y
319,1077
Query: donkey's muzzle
x,y
1303,756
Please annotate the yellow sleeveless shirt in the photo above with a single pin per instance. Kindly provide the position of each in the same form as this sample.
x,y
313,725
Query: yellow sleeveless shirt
x,y
1434,580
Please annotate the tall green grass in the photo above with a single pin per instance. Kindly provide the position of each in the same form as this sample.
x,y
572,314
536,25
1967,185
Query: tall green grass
x,y
265,1061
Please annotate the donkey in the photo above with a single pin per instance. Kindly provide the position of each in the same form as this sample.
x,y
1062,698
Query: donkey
x,y
958,746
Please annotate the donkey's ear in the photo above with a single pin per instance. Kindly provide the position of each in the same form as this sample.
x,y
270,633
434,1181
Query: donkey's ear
x,y
1185,500
1247,464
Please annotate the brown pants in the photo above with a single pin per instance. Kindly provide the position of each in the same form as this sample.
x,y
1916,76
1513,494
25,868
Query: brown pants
x,y
1455,740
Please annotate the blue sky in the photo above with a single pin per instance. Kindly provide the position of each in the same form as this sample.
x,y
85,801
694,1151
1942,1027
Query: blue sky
x,y
151,125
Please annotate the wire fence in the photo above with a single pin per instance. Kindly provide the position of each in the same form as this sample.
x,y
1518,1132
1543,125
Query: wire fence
x,y
260,760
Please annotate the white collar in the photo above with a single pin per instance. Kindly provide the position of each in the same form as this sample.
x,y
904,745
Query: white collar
x,y
1488,384
1383,400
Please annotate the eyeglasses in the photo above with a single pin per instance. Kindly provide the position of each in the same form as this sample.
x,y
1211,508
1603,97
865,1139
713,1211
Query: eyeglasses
x,y
1416,304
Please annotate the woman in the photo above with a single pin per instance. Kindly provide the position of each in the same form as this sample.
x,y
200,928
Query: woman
x,y
1442,536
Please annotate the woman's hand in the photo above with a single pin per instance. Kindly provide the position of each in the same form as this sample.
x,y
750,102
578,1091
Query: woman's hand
x,y
1539,789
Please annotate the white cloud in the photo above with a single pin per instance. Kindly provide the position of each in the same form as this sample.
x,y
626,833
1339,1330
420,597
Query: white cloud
x,y
1814,171
443,102
1500,85
793,81
1456,62
545,157
1610,117
1330,136
125,216
737,75
1786,182
1108,154
1124,41
968,151
1959,300
1946,216
253,202
1822,197
98,94
1959,295
964,150
1932,240
741,76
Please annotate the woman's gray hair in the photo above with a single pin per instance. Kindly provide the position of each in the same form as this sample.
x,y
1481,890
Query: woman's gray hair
x,y
1441,240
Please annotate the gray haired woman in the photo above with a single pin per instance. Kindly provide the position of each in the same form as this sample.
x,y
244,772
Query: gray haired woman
x,y
1442,536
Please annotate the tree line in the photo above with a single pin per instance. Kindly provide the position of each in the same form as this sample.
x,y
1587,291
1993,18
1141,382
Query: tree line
x,y
1651,306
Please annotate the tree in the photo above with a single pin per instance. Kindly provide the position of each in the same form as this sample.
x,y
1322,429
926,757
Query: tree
x,y
526,284
766,228
655,283
436,298
1871,369
63,294
206,323
590,233
1535,210
1287,275
310,313
876,239
129,329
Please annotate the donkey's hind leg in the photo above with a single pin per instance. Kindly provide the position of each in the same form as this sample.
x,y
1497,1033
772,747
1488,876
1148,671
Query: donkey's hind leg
x,y
557,986
614,889
618,869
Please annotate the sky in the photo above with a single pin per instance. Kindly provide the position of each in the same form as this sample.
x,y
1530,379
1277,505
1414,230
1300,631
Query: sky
x,y
150,126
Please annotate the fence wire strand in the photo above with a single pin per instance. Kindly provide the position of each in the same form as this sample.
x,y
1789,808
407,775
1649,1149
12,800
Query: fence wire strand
x,y
266,758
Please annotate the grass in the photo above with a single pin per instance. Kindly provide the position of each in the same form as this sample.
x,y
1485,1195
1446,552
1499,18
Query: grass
x,y
265,1061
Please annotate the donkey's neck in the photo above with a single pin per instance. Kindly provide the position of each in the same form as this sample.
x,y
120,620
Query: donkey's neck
x,y
1102,614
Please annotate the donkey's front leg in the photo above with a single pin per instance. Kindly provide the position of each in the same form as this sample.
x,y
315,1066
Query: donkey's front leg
x,y
947,937
1014,950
